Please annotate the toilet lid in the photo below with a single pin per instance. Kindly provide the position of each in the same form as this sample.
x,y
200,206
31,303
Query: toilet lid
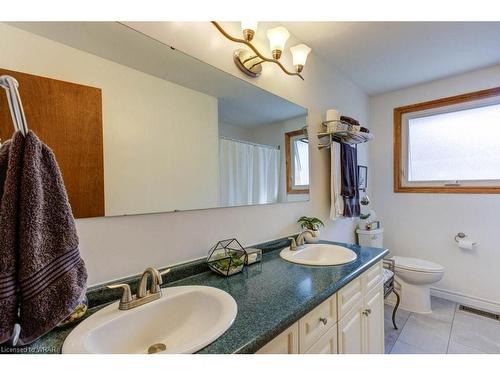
x,y
416,264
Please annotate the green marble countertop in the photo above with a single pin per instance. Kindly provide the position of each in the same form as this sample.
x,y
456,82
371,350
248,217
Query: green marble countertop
x,y
271,296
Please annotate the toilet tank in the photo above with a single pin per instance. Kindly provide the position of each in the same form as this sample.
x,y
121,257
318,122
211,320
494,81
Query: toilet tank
x,y
371,238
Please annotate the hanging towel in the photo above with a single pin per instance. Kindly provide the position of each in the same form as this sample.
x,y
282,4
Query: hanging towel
x,y
11,154
51,275
337,201
349,189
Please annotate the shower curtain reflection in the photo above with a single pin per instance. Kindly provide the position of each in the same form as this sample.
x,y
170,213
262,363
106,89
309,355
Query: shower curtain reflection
x,y
249,173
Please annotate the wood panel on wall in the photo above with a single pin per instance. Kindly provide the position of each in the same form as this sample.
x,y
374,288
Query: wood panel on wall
x,y
68,118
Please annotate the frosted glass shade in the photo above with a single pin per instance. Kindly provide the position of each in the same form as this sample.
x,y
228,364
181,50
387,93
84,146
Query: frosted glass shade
x,y
277,38
299,54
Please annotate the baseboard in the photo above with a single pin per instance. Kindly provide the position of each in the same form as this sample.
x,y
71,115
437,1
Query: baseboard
x,y
478,303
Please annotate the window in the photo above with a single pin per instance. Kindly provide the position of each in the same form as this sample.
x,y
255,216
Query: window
x,y
297,162
449,145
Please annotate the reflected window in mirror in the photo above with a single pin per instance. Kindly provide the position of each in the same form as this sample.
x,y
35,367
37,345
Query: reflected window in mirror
x,y
297,162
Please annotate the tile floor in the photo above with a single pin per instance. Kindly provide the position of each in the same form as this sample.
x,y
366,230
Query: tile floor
x,y
445,330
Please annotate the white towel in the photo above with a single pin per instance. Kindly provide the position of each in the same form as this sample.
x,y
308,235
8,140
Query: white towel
x,y
337,202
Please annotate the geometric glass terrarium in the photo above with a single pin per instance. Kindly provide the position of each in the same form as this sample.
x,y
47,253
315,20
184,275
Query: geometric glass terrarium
x,y
227,257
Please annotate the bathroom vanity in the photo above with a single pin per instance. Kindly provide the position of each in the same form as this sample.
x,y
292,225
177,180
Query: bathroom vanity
x,y
349,322
282,307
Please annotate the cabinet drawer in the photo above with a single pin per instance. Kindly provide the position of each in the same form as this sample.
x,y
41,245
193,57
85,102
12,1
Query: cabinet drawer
x,y
372,277
287,342
317,322
327,344
349,296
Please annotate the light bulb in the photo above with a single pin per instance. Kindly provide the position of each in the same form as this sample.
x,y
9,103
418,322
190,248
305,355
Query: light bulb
x,y
277,38
249,28
299,56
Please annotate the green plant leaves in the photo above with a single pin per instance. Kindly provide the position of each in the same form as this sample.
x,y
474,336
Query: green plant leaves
x,y
312,223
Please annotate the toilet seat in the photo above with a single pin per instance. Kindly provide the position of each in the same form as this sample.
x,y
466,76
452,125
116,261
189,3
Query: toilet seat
x,y
416,265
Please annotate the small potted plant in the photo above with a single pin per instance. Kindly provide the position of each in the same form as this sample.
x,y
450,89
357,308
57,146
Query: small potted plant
x,y
313,224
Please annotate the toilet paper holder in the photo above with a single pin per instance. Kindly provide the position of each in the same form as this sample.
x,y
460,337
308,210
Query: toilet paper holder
x,y
460,236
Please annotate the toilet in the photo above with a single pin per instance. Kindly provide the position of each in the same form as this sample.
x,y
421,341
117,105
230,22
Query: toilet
x,y
413,276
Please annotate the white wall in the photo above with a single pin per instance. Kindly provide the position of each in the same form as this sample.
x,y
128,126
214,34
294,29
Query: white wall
x,y
236,132
423,225
116,247
138,112
158,155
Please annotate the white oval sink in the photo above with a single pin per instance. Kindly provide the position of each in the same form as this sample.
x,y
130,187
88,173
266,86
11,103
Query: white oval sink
x,y
184,320
319,255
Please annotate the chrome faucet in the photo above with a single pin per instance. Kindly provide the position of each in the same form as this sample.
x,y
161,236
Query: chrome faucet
x,y
300,241
129,301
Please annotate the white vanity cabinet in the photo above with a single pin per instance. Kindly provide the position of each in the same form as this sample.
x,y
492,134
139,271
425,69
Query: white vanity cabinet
x,y
374,321
287,342
349,322
350,331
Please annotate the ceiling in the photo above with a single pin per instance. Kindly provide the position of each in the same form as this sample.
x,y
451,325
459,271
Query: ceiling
x,y
384,56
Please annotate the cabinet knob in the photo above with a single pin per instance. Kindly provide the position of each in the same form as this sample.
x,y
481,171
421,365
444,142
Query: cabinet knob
x,y
323,320
367,312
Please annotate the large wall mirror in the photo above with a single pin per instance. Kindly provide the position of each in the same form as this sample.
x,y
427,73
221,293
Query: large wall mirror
x,y
139,127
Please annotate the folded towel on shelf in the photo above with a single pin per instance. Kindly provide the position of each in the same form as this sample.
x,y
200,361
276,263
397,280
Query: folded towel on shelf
x,y
354,124
349,120
349,188
337,201
51,275
11,157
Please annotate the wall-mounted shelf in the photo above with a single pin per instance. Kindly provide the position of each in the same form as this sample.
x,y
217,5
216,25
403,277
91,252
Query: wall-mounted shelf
x,y
351,137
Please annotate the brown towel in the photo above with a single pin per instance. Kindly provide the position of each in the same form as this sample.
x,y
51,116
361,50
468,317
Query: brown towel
x,y
11,154
51,275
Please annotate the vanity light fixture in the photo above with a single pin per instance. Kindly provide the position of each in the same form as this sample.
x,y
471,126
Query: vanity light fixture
x,y
249,28
250,61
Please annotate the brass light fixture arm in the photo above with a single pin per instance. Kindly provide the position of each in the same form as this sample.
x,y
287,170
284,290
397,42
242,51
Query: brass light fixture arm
x,y
251,46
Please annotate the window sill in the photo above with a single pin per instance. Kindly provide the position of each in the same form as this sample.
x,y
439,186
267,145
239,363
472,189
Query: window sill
x,y
448,189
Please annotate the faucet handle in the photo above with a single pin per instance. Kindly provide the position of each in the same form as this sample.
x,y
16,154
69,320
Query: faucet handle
x,y
127,294
293,244
163,273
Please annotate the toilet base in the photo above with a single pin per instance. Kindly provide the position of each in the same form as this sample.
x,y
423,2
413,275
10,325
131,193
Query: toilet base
x,y
415,298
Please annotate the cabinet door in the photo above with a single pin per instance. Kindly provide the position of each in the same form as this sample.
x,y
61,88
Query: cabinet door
x,y
373,318
327,344
350,331
287,342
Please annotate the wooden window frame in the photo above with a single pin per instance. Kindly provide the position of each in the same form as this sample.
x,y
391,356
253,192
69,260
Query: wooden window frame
x,y
398,147
288,157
